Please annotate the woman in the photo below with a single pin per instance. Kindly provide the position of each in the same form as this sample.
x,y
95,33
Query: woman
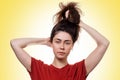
x,y
63,36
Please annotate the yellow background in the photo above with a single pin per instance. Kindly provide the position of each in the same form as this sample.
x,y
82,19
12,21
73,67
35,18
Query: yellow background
x,y
33,18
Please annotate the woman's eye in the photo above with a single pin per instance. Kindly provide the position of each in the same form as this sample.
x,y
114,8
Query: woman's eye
x,y
57,41
67,43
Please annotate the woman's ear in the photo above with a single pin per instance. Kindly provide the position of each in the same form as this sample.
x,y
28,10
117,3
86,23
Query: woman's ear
x,y
72,46
50,44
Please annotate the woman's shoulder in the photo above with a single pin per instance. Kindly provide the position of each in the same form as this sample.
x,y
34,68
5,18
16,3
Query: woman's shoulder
x,y
78,64
38,62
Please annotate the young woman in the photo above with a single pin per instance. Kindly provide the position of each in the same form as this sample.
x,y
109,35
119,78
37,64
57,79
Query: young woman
x,y
63,36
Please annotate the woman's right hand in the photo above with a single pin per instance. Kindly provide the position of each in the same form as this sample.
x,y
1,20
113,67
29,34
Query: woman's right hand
x,y
47,42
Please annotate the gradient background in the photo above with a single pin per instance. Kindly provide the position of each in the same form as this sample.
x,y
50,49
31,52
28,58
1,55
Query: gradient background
x,y
34,18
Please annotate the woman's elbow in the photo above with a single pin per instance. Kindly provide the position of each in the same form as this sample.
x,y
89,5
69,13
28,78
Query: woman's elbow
x,y
14,43
104,43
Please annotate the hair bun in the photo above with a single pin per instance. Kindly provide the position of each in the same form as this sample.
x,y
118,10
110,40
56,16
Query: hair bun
x,y
69,12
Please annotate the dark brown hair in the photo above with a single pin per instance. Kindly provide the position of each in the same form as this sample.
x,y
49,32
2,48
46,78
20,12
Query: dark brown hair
x,y
67,19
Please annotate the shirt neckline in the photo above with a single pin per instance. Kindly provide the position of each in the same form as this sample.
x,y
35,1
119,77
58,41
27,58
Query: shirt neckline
x,y
64,67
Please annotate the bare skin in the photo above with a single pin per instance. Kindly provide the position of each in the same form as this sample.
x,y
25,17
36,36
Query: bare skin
x,y
62,44
59,61
20,43
96,55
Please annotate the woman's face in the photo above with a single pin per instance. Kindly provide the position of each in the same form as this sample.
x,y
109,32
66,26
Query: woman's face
x,y
62,44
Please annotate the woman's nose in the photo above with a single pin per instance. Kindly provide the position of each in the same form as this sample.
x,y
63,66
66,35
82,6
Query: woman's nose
x,y
62,46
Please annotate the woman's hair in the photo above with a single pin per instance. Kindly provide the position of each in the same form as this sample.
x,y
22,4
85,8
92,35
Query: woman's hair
x,y
67,20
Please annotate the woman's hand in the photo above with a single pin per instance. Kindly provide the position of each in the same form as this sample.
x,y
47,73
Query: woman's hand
x,y
82,23
47,42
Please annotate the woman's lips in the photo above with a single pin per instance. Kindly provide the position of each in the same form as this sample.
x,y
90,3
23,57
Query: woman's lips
x,y
61,53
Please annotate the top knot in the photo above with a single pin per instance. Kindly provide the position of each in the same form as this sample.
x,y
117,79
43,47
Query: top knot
x,y
69,12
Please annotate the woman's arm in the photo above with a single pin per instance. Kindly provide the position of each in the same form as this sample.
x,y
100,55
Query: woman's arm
x,y
102,44
20,43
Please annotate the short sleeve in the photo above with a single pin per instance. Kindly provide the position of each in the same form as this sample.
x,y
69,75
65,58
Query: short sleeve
x,y
35,68
81,70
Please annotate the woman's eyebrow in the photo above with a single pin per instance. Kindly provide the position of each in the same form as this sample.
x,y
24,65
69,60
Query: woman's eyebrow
x,y
68,41
61,39
57,39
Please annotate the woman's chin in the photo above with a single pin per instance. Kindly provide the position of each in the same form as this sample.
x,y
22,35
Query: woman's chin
x,y
61,57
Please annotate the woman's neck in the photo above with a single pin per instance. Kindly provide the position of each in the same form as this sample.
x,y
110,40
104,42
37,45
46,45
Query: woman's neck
x,y
59,63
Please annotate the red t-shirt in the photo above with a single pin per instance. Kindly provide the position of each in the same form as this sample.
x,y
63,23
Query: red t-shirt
x,y
41,71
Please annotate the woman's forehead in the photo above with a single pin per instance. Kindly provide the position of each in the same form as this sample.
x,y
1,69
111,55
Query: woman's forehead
x,y
63,36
